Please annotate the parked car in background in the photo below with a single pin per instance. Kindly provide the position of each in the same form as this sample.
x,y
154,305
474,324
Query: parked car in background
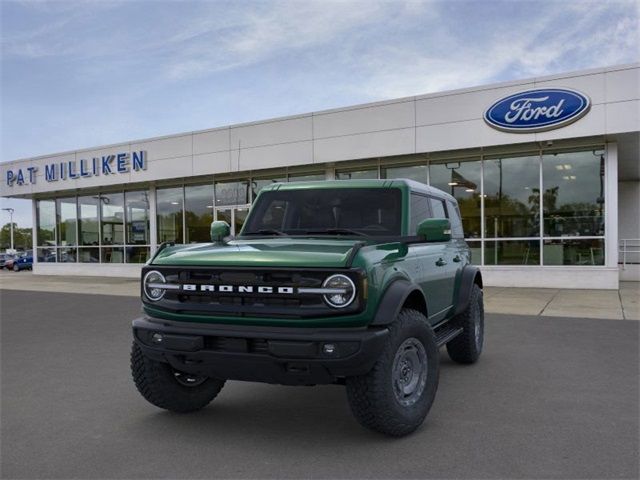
x,y
23,262
6,260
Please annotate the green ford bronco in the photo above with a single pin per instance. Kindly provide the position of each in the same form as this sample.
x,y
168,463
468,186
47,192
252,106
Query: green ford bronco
x,y
357,283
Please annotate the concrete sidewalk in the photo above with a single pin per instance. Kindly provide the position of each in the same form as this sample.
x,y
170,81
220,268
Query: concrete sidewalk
x,y
548,302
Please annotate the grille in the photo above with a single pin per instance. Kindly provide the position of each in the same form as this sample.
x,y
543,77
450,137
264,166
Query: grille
x,y
229,304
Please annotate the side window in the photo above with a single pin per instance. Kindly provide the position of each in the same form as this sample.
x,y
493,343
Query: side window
x,y
419,211
437,207
456,221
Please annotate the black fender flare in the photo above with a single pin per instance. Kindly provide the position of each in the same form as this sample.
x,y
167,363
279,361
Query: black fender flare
x,y
393,299
470,275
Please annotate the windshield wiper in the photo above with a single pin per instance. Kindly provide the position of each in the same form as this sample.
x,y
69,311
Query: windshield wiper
x,y
268,231
338,231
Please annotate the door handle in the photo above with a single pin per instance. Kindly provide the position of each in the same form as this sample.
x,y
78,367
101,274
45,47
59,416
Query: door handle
x,y
457,259
441,262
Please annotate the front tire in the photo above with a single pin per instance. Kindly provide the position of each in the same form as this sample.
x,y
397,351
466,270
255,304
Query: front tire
x,y
467,347
396,395
167,388
16,268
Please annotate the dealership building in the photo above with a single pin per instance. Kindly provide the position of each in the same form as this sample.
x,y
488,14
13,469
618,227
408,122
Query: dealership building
x,y
546,172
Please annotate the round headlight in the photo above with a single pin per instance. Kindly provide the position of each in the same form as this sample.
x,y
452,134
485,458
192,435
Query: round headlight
x,y
344,291
150,282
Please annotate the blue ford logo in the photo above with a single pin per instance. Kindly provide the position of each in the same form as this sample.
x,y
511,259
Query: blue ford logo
x,y
537,110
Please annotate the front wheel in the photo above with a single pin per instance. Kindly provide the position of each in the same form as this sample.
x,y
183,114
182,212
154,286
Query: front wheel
x,y
396,395
16,268
170,389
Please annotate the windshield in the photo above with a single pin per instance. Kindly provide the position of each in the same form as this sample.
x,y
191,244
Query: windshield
x,y
327,211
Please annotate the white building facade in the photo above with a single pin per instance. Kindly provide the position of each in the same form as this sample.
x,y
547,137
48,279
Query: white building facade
x,y
546,172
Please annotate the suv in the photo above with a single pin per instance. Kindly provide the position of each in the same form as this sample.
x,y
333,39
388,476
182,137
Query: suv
x,y
357,283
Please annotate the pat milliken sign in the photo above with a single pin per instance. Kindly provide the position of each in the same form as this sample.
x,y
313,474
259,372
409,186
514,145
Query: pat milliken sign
x,y
537,110
105,165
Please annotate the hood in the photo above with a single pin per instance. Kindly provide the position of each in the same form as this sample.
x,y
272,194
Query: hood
x,y
271,252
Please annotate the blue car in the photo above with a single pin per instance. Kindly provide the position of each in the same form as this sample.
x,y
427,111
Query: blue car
x,y
23,262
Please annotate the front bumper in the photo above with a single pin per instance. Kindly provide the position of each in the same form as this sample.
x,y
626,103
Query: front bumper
x,y
282,355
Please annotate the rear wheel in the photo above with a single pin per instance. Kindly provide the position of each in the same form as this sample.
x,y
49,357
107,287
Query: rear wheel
x,y
16,268
467,347
396,395
167,388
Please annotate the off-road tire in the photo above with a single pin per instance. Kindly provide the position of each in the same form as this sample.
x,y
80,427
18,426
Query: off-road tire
x,y
371,396
157,383
467,347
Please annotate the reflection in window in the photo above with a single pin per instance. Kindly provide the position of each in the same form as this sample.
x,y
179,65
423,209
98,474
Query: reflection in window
x,y
112,218
357,174
137,254
573,251
112,254
88,254
47,255
512,252
67,217
67,255
137,218
198,212
232,193
88,233
461,180
573,198
512,197
476,251
258,184
413,172
169,214
46,222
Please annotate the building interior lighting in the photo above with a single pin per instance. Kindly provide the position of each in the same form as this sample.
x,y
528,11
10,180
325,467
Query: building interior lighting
x,y
470,190
452,184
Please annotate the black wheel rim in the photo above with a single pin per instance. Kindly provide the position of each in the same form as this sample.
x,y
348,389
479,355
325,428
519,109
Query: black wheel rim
x,y
188,379
409,372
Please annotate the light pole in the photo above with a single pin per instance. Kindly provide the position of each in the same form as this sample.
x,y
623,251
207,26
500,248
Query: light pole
x,y
10,210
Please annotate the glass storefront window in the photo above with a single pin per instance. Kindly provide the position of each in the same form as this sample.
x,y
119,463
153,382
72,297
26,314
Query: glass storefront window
x,y
413,172
476,251
169,214
137,254
573,199
67,255
371,173
137,218
512,197
46,222
88,233
47,255
307,177
88,254
198,211
112,255
232,193
67,221
512,252
461,180
112,218
573,251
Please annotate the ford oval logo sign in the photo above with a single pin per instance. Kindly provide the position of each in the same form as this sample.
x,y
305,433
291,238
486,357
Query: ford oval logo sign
x,y
537,110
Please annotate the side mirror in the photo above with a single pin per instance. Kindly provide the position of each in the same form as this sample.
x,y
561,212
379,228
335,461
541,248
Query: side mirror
x,y
435,229
219,230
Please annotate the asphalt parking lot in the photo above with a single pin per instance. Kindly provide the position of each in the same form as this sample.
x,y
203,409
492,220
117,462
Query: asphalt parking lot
x,y
550,398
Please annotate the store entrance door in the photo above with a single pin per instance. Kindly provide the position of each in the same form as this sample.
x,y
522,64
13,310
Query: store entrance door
x,y
234,216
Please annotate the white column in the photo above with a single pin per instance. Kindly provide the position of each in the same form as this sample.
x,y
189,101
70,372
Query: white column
x,y
153,234
330,172
34,231
611,204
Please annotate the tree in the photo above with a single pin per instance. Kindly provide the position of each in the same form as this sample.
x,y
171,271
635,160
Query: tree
x,y
21,237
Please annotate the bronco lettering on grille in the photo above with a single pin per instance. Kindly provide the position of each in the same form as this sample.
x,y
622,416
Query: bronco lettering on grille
x,y
190,287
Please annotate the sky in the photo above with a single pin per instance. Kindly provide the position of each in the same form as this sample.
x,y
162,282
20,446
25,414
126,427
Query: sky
x,y
88,73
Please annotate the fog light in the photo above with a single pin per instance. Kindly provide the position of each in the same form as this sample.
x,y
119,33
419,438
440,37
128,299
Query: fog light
x,y
157,338
329,348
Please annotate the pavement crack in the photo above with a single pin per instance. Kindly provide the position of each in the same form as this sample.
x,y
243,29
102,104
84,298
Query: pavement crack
x,y
550,300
